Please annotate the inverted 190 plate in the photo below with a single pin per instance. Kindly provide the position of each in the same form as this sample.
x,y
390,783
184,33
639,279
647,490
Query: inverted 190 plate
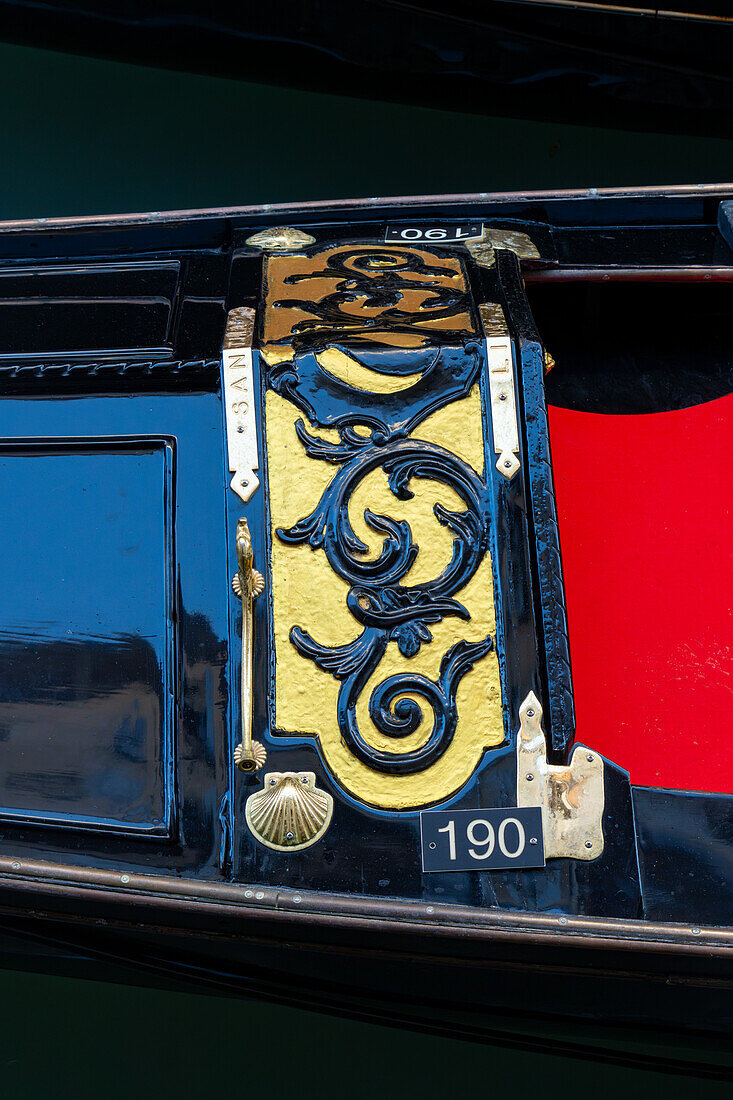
x,y
482,840
433,233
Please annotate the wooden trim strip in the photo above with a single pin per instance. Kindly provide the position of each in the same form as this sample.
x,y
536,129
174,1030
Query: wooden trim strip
x,y
207,899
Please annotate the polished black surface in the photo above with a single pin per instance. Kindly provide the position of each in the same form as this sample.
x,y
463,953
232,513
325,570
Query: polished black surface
x,y
552,628
616,351
603,63
685,844
106,306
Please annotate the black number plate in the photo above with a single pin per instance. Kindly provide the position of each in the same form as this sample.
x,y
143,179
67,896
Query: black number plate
x,y
482,840
433,234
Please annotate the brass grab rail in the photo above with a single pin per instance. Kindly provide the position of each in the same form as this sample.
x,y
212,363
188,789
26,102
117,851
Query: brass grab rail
x,y
248,583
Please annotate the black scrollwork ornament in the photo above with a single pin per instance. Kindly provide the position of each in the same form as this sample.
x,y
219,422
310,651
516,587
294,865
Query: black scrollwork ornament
x,y
388,610
406,313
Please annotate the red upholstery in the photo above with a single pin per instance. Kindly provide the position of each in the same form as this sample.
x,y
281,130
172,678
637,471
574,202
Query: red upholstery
x,y
646,530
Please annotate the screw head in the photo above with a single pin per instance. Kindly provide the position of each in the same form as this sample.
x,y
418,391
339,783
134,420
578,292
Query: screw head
x,y
696,931
588,844
273,782
502,397
289,836
297,899
260,895
124,878
533,840
430,909
15,865
240,429
507,464
529,777
304,779
432,845
590,758
530,713
562,920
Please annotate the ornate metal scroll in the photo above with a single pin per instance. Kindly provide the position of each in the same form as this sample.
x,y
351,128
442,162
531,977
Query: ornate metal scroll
x,y
249,755
369,342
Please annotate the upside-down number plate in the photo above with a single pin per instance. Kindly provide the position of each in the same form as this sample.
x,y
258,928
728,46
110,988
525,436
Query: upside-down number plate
x,y
482,840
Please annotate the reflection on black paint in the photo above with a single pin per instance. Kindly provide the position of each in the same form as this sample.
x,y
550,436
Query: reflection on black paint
x,y
86,632
631,348
82,721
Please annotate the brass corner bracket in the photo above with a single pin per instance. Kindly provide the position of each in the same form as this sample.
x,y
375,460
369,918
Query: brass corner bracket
x,y
483,248
570,796
290,812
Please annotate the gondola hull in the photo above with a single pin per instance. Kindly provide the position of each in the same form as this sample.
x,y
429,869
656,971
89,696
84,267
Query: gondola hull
x,y
354,651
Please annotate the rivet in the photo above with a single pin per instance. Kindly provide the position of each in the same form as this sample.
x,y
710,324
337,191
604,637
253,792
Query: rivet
x,y
507,464
15,865
240,429
529,777
502,397
696,931
124,878
589,758
260,895
588,844
304,779
249,893
430,909
533,840
244,483
432,845
289,836
273,782
297,899
562,920
530,713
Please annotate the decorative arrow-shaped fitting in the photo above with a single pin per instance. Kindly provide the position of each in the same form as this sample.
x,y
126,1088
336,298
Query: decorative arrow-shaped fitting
x,y
571,796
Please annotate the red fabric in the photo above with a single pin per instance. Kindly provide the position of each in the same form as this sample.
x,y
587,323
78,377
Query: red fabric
x,y
646,532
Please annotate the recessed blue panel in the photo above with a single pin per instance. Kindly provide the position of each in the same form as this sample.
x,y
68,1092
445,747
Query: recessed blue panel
x,y
86,634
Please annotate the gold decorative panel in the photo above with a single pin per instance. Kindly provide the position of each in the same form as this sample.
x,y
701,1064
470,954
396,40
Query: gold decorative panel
x,y
382,582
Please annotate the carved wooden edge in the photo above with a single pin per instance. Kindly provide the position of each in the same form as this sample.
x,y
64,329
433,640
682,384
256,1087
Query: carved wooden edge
x,y
560,701
120,367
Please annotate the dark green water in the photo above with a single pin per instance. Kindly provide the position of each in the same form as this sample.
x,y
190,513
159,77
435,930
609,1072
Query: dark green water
x,y
79,136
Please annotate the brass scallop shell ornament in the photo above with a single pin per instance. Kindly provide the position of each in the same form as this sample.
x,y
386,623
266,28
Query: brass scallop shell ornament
x,y
290,812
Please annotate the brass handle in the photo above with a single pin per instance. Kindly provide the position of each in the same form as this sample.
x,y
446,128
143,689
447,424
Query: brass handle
x,y
249,755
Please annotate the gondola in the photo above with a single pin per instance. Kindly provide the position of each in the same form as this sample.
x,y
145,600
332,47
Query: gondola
x,y
630,65
365,617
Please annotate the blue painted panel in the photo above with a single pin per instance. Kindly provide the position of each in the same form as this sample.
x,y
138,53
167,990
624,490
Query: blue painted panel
x,y
165,450
86,639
